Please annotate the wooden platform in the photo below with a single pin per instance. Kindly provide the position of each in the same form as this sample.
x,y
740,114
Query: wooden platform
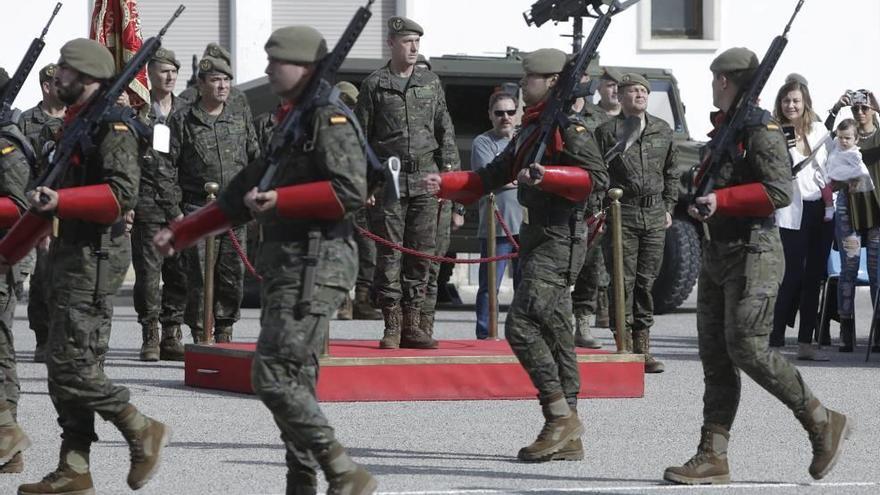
x,y
357,370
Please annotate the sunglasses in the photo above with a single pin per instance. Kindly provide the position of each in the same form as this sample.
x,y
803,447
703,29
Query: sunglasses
x,y
860,108
500,113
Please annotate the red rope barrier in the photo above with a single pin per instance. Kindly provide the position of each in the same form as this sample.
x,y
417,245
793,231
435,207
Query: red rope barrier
x,y
241,254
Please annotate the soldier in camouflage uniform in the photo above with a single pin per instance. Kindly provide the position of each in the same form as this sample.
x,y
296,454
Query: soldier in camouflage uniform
x,y
211,141
646,172
237,99
89,204
157,205
47,113
741,273
450,216
590,293
402,109
14,176
552,250
313,190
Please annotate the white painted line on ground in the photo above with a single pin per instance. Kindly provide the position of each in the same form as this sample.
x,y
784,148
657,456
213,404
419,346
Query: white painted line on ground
x,y
642,488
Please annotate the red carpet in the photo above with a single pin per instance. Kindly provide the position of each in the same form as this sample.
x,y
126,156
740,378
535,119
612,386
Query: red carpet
x,y
357,370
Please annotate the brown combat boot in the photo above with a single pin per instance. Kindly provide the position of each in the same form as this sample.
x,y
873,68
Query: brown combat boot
x,y
146,438
827,429
426,323
15,465
171,346
709,465
583,337
150,347
12,438
362,308
345,310
641,345
392,316
561,426
412,336
301,483
573,450
344,476
72,477
223,334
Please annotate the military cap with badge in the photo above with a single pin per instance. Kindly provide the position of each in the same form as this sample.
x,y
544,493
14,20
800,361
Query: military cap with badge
x,y
166,56
216,59
633,79
401,26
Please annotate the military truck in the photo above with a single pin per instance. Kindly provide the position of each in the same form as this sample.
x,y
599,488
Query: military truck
x,y
469,81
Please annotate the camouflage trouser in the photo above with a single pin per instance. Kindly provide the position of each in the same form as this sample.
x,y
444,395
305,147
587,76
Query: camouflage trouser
x,y
538,325
644,234
592,279
285,368
147,272
174,290
82,311
412,222
366,251
444,228
736,293
228,281
10,389
38,297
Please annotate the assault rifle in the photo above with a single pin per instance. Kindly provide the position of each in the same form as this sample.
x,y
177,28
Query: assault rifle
x,y
79,136
558,106
724,143
294,129
13,87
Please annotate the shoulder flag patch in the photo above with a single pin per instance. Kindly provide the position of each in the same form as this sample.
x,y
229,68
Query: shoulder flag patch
x,y
7,150
773,127
338,119
579,128
120,127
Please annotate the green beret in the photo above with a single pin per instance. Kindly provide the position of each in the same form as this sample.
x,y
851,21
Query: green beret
x,y
88,57
544,61
296,44
795,77
422,60
401,26
47,73
734,59
165,56
211,64
216,51
611,74
631,79
4,78
349,92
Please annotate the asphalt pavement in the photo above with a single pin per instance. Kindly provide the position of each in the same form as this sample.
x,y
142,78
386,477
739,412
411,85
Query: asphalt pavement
x,y
226,443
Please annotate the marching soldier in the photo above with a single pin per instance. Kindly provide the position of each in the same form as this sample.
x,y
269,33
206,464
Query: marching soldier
x,y
402,109
47,113
211,141
314,190
14,177
552,250
646,172
88,262
157,206
741,272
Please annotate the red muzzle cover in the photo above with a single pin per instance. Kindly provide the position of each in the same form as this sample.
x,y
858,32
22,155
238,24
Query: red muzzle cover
x,y
95,203
23,236
572,183
461,187
310,201
207,220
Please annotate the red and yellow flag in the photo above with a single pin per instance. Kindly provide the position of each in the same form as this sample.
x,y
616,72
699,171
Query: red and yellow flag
x,y
116,24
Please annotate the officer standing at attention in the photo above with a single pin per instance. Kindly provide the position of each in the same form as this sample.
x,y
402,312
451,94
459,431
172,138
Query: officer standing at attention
x,y
211,141
402,109
157,206
319,188
237,100
14,177
47,113
740,276
88,262
646,172
552,250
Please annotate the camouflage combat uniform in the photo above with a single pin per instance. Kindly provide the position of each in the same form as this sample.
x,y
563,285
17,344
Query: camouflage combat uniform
x,y
647,174
285,367
444,231
32,123
407,118
211,148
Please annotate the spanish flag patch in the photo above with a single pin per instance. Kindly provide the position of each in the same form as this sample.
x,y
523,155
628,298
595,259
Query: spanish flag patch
x,y
7,150
773,127
120,127
338,119
579,128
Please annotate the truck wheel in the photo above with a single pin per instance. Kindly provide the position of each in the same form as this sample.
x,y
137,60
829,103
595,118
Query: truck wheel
x,y
681,265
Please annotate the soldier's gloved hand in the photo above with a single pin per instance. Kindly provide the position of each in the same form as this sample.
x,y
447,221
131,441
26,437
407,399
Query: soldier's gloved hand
x,y
162,241
432,183
48,207
711,205
525,175
260,202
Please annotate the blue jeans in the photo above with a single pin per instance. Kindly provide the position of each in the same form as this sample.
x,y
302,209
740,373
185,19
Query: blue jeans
x,y
849,266
502,246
